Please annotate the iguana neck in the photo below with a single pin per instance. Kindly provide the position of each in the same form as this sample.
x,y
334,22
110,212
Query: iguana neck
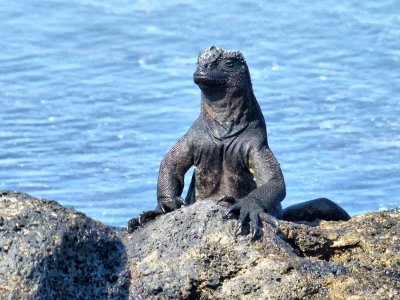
x,y
230,115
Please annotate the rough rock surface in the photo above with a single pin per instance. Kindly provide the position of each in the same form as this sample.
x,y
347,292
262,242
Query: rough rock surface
x,y
51,252
193,253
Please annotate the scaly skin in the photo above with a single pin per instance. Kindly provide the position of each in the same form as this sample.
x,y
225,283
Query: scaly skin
x,y
228,148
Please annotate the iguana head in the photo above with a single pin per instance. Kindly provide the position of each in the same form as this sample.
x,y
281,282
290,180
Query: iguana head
x,y
228,104
218,70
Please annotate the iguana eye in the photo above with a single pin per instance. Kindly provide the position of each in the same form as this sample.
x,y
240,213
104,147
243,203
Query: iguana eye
x,y
230,63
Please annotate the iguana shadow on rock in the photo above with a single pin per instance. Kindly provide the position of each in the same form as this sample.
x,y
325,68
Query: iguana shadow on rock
x,y
227,146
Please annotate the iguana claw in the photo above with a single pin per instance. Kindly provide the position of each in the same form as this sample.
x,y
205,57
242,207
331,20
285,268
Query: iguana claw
x,y
132,225
233,210
163,207
181,201
257,234
267,218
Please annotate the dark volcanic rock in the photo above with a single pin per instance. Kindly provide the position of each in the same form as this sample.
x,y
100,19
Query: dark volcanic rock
x,y
193,253
51,252
368,246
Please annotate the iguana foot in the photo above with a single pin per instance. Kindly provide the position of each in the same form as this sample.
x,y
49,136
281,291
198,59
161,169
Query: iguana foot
x,y
132,225
163,208
144,217
247,210
170,205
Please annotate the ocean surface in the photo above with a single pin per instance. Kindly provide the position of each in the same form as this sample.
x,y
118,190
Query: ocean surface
x,y
93,93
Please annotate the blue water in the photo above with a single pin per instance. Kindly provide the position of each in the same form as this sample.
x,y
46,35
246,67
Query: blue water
x,y
94,93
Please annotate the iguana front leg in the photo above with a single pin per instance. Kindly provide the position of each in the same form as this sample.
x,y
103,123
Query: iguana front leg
x,y
265,201
170,182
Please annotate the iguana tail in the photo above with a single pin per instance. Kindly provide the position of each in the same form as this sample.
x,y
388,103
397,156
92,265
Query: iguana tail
x,y
321,208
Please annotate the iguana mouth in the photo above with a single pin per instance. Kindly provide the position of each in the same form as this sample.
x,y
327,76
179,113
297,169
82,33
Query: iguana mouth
x,y
207,80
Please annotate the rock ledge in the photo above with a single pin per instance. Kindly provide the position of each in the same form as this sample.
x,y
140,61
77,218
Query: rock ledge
x,y
51,252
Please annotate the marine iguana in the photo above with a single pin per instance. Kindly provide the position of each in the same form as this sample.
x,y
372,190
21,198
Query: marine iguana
x,y
228,148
